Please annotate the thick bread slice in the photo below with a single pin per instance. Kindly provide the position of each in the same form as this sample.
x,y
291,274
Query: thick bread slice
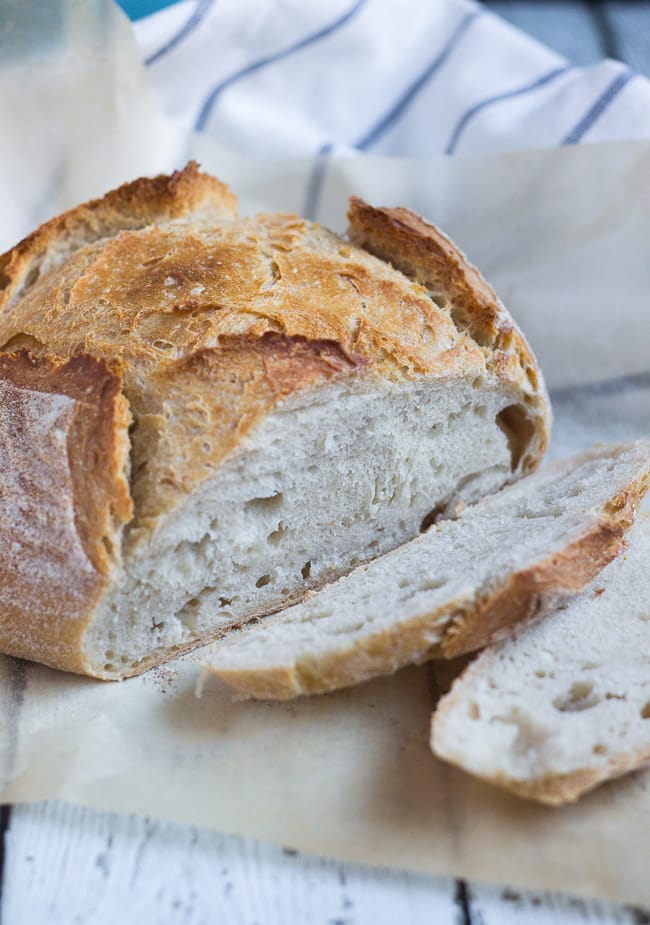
x,y
268,364
454,588
565,703
64,498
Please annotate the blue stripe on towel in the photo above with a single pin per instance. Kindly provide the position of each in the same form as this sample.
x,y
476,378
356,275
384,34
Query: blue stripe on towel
x,y
195,19
497,98
598,108
404,101
315,183
216,92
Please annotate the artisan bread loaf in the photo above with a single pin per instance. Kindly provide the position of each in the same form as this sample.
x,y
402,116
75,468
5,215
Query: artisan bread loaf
x,y
453,589
277,405
565,703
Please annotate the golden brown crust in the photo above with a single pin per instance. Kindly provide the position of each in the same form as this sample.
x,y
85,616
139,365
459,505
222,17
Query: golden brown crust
x,y
426,255
133,205
214,321
185,288
63,501
474,623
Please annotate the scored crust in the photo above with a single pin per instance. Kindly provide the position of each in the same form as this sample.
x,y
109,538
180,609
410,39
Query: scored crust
x,y
475,621
187,285
287,303
423,253
64,499
133,205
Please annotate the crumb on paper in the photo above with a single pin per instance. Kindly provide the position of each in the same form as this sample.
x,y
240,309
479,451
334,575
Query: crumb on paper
x,y
163,676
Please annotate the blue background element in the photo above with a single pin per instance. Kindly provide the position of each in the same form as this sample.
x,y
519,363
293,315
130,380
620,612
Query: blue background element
x,y
136,9
582,30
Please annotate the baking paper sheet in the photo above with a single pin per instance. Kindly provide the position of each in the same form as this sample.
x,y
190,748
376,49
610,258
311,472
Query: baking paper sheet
x,y
563,236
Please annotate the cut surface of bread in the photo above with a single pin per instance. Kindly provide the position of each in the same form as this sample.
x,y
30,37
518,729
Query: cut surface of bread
x,y
565,703
452,589
299,405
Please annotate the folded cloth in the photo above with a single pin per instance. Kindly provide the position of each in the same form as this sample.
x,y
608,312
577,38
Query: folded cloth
x,y
289,77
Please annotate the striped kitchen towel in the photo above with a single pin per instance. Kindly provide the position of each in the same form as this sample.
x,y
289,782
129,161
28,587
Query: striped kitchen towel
x,y
414,78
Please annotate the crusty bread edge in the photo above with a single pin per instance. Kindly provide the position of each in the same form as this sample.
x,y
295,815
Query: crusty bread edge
x,y
130,206
549,789
519,597
95,455
561,789
424,253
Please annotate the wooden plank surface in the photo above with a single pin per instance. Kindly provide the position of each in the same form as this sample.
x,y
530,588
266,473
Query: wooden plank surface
x,y
64,864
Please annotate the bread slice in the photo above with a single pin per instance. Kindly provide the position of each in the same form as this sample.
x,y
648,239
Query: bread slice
x,y
298,406
565,703
454,588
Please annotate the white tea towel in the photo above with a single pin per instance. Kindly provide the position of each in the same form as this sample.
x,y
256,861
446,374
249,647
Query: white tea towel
x,y
287,77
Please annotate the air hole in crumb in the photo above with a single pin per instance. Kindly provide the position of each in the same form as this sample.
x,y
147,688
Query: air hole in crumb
x,y
644,617
305,571
194,602
262,580
540,674
271,503
404,583
429,519
474,712
276,535
432,584
109,667
580,696
225,601
645,711
599,749
518,429
110,655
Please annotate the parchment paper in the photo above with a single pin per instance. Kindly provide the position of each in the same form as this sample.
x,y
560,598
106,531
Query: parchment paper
x,y
563,235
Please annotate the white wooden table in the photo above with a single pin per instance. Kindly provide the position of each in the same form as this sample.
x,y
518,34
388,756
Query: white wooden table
x,y
63,864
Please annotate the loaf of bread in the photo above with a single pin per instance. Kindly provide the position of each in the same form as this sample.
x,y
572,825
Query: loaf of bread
x,y
565,703
454,589
203,417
